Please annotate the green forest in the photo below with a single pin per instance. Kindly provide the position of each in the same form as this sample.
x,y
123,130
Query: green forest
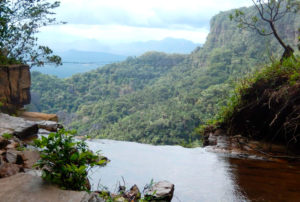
x,y
161,98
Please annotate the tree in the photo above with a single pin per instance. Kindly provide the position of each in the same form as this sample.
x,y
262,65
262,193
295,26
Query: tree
x,y
269,13
20,20
299,40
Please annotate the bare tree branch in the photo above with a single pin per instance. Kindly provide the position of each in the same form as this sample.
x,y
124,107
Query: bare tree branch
x,y
269,12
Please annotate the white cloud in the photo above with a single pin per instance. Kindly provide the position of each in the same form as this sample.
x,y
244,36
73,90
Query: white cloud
x,y
116,21
121,34
148,13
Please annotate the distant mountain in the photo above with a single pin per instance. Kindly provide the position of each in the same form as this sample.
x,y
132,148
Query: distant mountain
x,y
75,61
76,56
167,45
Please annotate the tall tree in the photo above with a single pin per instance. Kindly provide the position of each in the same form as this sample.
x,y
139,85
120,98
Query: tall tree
x,y
20,20
269,12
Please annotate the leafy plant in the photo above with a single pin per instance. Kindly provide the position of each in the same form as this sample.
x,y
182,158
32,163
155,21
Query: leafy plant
x,y
65,161
7,136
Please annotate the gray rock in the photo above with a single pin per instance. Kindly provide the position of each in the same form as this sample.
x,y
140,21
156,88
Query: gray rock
x,y
161,191
11,157
17,126
49,125
43,132
28,188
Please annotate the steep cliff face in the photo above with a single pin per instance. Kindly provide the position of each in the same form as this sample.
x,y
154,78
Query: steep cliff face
x,y
225,35
15,84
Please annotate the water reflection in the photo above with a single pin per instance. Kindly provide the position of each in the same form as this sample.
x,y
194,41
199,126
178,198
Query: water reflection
x,y
198,175
267,181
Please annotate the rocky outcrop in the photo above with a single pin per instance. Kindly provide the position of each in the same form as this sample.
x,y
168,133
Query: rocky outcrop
x,y
15,84
17,126
23,128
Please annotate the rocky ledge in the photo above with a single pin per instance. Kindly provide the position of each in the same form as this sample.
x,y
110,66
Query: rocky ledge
x,y
242,147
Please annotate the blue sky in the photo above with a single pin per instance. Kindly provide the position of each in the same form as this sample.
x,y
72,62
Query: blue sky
x,y
106,22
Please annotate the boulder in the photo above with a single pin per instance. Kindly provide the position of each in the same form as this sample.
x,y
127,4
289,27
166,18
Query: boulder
x,y
30,158
49,125
133,194
161,191
18,126
13,156
9,169
28,188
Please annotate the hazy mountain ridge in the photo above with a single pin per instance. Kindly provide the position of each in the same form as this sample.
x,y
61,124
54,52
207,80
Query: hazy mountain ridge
x,y
167,45
74,56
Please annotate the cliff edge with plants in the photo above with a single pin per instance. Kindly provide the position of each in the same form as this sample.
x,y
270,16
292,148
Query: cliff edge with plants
x,y
265,107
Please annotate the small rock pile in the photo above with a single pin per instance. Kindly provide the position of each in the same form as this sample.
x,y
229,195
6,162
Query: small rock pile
x,y
12,157
15,155
161,191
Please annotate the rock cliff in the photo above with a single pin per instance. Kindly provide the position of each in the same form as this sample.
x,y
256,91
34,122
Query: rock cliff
x,y
15,84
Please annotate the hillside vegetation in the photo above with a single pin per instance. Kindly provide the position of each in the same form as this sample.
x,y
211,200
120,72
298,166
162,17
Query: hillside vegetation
x,y
159,98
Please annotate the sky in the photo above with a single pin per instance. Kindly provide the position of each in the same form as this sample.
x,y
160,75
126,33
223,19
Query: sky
x,y
93,23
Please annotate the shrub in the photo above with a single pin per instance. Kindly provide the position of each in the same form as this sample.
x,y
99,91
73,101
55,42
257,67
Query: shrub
x,y
7,136
65,161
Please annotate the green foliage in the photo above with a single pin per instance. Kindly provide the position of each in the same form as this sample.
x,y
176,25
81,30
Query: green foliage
x,y
20,20
65,161
299,40
7,136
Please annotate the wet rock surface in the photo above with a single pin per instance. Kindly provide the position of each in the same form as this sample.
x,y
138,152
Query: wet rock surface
x,y
238,146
